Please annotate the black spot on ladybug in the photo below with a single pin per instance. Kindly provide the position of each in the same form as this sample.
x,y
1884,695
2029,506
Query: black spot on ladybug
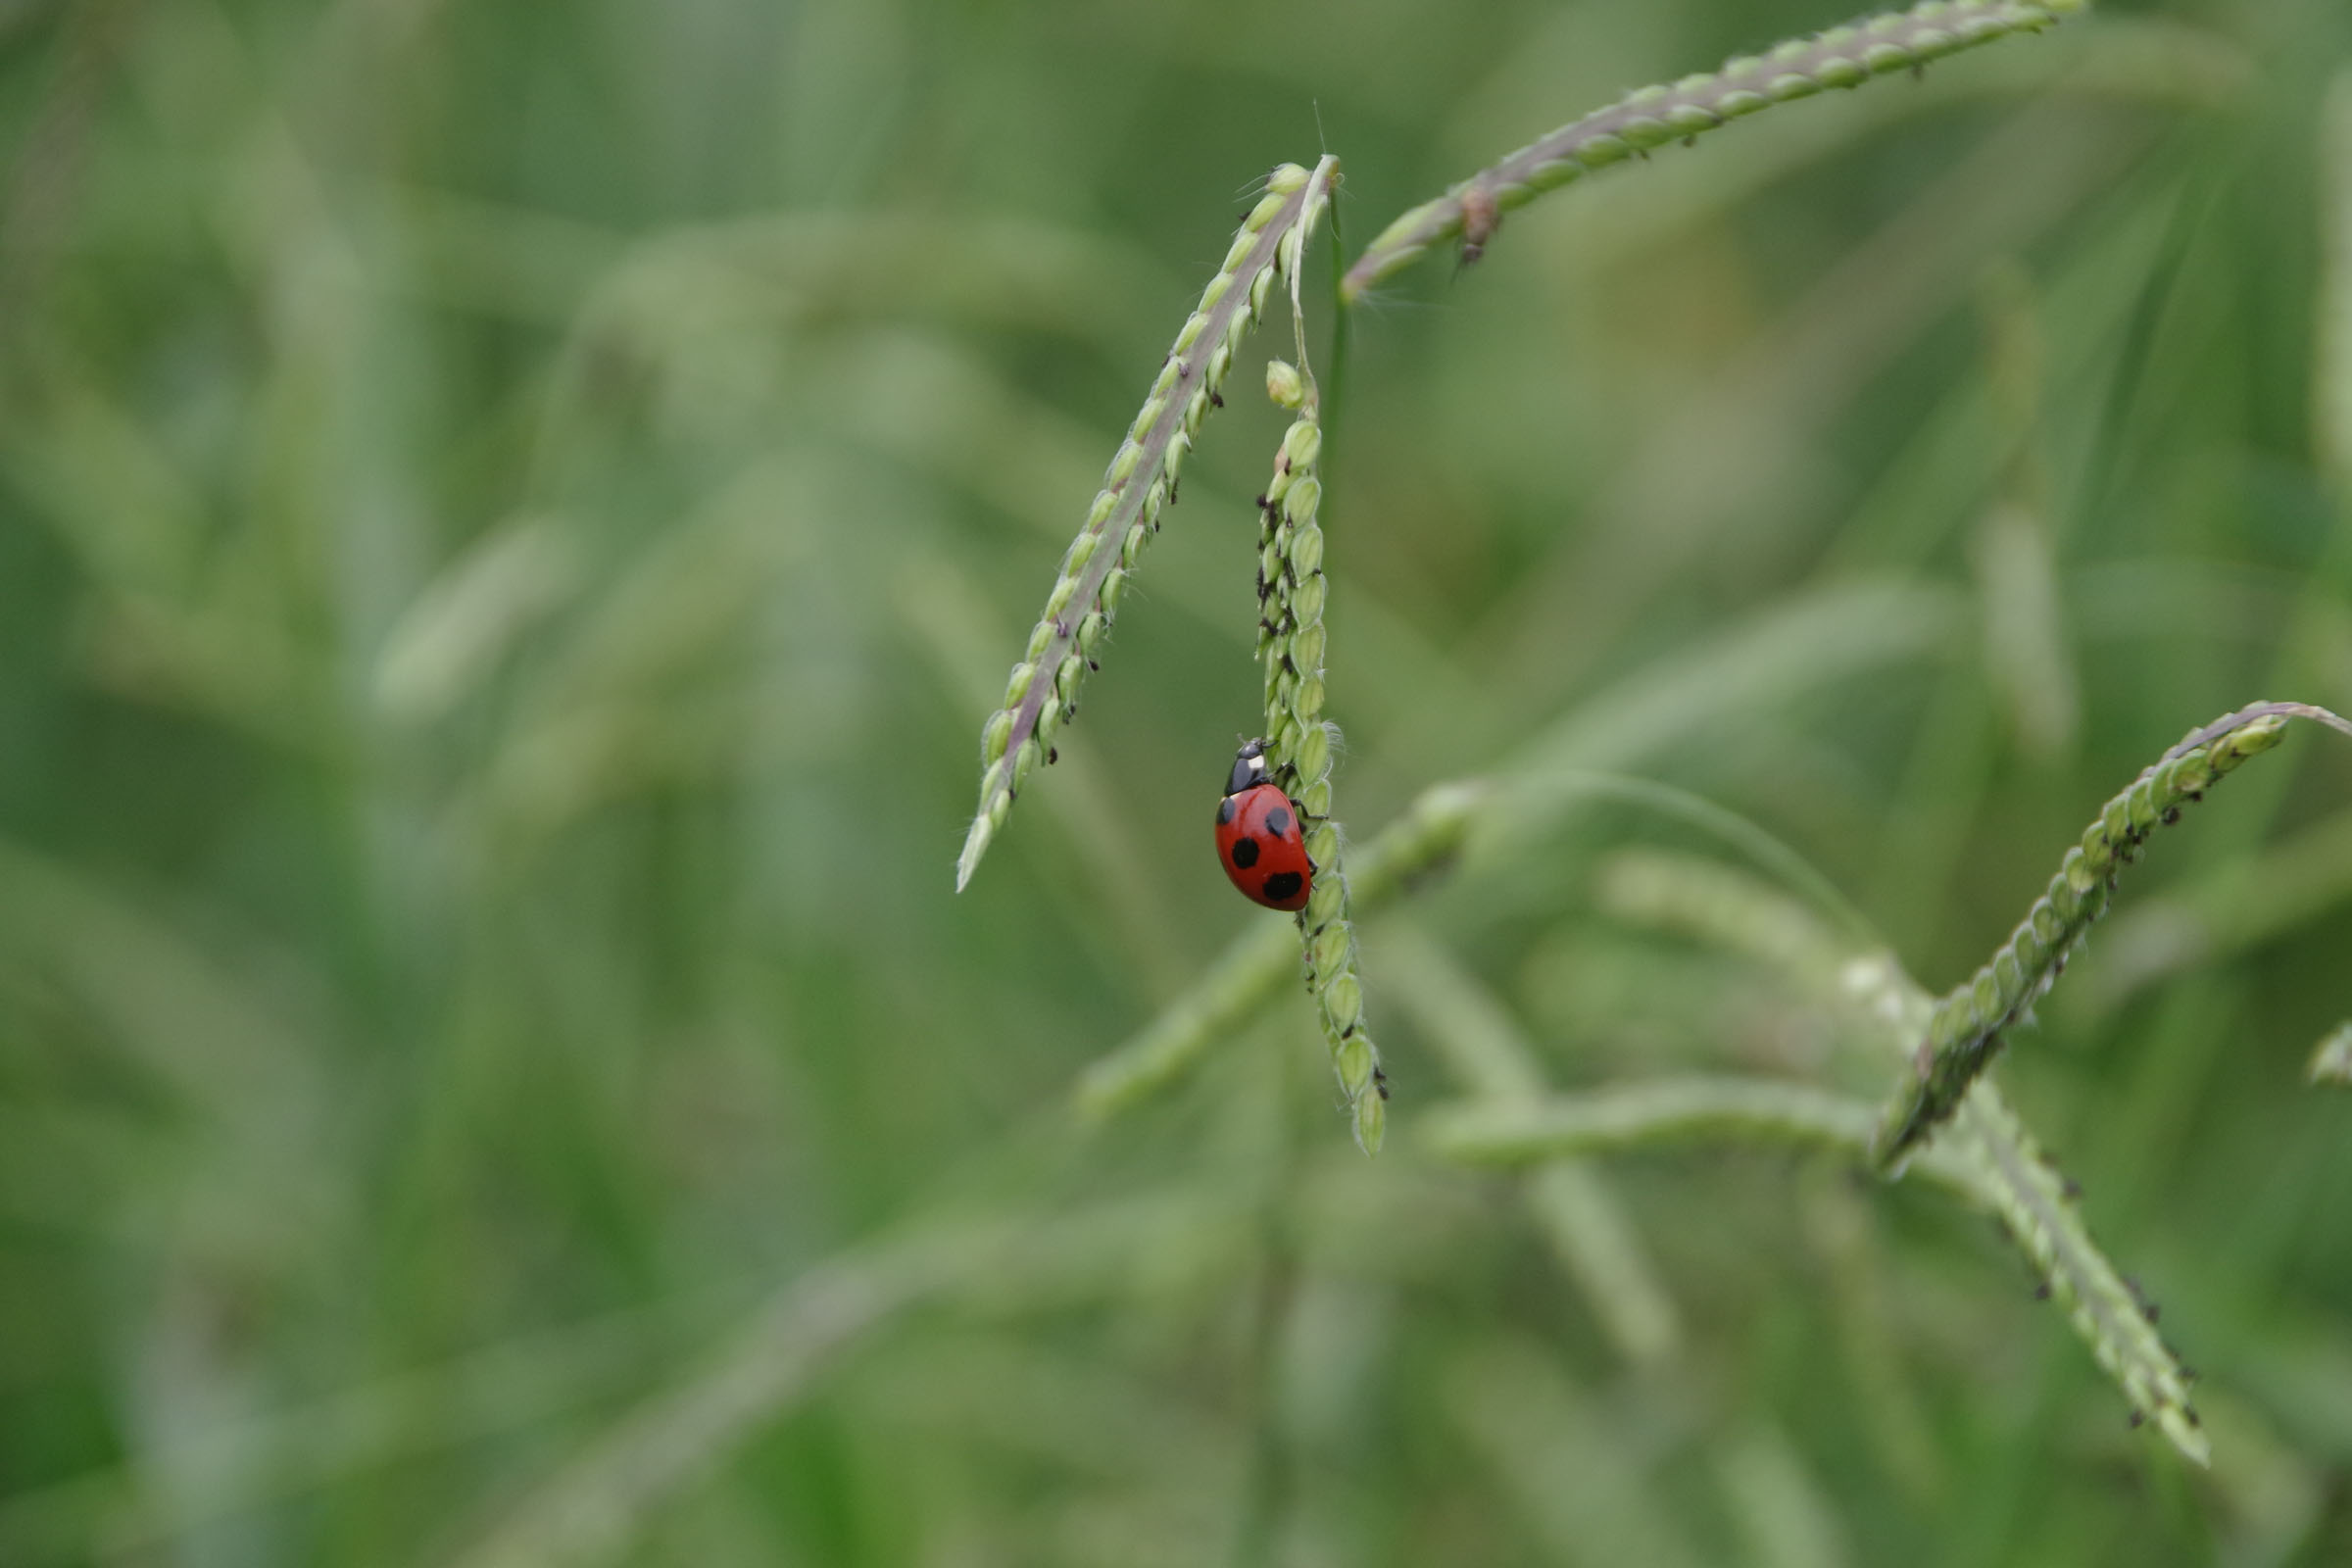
x,y
1278,821
1245,854
1280,885
1225,810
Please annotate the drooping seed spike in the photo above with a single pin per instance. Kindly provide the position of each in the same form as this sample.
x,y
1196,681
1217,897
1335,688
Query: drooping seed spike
x,y
1843,57
1298,744
1139,483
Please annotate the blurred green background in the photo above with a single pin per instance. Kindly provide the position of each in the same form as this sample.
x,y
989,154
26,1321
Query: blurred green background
x,y
511,516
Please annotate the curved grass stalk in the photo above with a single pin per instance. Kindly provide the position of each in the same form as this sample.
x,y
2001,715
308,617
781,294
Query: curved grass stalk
x,y
595,1507
1968,1025
592,1510
1843,57
1662,1112
1042,694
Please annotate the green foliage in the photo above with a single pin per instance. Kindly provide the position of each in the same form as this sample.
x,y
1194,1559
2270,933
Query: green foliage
x,y
509,514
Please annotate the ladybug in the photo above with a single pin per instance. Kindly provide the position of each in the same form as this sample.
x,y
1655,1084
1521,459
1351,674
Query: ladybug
x,y
1258,839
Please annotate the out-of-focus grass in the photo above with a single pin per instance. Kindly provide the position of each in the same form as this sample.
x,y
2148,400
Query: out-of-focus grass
x,y
509,516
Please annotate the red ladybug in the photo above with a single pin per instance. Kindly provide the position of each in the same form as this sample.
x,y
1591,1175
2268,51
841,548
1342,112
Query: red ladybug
x,y
1258,839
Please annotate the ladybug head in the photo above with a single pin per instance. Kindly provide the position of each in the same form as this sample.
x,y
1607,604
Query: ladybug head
x,y
1249,767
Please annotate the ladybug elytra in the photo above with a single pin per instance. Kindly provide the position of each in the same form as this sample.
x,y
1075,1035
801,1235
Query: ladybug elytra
x,y
1259,842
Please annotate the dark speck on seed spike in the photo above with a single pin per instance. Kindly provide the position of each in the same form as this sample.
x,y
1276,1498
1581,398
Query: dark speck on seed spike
x,y
1480,219
1216,400
2041,1292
